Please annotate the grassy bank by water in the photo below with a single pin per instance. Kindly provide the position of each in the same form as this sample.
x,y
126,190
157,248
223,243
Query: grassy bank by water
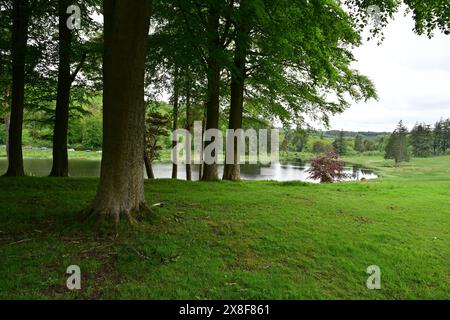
x,y
253,240
78,154
47,154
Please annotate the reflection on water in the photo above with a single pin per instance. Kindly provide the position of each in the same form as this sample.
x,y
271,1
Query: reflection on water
x,y
282,171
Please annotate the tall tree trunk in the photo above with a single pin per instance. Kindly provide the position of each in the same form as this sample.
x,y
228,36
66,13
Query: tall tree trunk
x,y
60,166
200,167
18,52
232,171
148,166
213,74
188,128
238,75
175,122
121,188
7,135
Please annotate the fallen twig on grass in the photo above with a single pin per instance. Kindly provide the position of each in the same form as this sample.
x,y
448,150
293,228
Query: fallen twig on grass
x,y
159,204
140,254
20,241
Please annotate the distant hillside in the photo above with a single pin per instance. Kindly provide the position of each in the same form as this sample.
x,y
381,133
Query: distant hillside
x,y
351,134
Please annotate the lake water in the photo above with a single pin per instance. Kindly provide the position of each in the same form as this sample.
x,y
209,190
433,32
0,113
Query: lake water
x,y
282,171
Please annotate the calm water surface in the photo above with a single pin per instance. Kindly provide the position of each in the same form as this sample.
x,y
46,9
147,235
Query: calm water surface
x,y
282,171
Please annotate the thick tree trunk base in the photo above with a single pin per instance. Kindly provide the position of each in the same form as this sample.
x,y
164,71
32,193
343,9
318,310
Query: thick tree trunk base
x,y
232,172
188,172
174,171
60,172
107,220
15,172
121,189
210,172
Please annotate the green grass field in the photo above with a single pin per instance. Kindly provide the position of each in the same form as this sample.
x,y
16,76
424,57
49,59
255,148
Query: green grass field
x,y
91,155
241,240
47,154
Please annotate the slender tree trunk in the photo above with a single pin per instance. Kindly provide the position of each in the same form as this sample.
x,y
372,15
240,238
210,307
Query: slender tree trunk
x,y
175,121
200,167
189,129
19,49
238,75
121,188
60,166
213,74
148,166
7,136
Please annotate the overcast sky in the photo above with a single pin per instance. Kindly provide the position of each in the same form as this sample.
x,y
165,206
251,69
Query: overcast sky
x,y
412,77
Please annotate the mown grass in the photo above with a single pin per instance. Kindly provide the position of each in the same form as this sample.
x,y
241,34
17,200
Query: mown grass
x,y
78,154
47,154
242,240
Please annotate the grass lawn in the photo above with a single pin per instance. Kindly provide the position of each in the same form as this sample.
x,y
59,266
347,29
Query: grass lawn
x,y
242,240
79,154
47,154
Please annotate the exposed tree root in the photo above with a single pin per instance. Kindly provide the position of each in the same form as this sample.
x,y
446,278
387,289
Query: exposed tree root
x,y
107,220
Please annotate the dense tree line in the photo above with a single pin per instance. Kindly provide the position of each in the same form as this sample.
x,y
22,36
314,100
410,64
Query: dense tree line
x,y
423,141
426,140
441,137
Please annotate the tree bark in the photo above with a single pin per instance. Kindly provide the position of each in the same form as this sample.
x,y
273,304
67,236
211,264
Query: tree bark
x,y
213,74
7,136
238,75
200,167
233,171
121,188
188,128
18,52
175,122
148,166
60,166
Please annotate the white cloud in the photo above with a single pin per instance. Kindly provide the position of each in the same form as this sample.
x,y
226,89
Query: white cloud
x,y
411,74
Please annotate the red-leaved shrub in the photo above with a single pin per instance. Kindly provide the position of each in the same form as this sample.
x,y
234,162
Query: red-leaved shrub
x,y
327,168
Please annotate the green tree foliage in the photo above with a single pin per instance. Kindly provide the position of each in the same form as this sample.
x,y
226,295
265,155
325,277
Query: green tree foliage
x,y
282,59
297,53
295,139
397,145
369,145
86,132
358,146
42,64
429,15
340,145
5,59
92,133
441,136
2,134
321,147
156,127
422,140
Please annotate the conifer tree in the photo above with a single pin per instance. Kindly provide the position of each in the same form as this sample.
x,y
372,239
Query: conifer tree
x,y
422,140
339,144
397,146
